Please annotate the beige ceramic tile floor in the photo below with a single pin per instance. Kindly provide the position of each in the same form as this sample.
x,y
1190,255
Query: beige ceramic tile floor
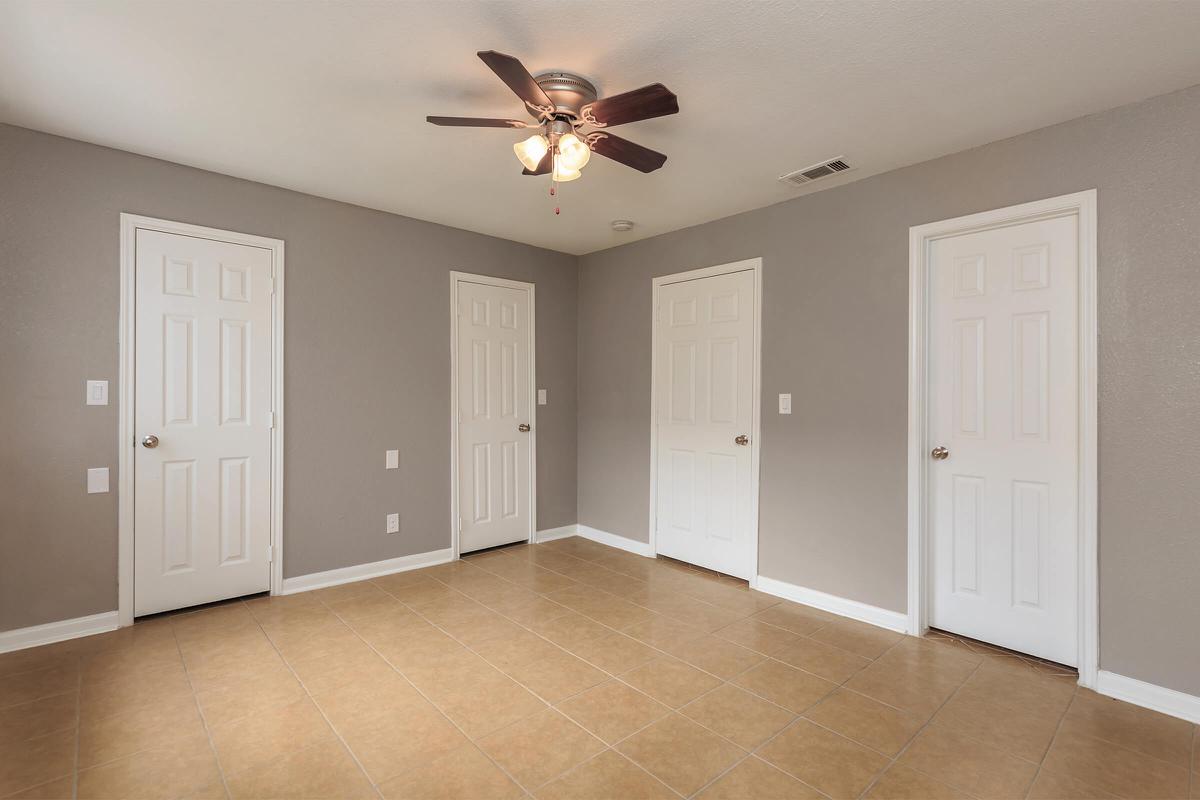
x,y
562,670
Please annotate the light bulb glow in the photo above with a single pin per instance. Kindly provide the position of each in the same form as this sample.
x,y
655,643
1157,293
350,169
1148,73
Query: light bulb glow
x,y
573,153
561,174
531,151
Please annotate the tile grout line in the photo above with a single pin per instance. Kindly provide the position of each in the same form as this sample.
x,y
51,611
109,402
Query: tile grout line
x,y
78,729
415,688
553,706
200,710
900,753
1057,729
676,711
607,594
536,595
312,700
752,752
612,676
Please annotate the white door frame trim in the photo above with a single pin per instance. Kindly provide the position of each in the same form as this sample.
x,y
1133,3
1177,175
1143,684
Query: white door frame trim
x,y
466,277
130,224
750,264
1083,206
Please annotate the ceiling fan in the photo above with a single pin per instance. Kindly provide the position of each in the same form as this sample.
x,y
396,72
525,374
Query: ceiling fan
x,y
563,105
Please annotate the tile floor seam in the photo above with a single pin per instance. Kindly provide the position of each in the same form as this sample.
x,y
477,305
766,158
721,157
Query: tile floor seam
x,y
78,727
753,752
493,587
895,760
1117,745
1057,728
611,629
419,691
613,676
34,699
1195,759
1125,747
620,755
549,705
900,753
670,655
200,709
341,739
618,572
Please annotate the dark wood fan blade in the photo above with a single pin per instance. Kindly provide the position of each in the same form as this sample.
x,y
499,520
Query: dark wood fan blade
x,y
516,77
475,122
628,153
545,166
647,102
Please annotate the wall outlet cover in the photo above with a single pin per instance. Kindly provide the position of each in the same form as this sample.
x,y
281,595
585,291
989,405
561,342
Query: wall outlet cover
x,y
393,459
785,404
393,523
542,397
96,393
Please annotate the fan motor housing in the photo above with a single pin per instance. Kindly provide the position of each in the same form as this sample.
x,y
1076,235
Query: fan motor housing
x,y
569,92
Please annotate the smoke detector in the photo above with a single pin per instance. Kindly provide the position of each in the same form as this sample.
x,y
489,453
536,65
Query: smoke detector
x,y
622,225
815,172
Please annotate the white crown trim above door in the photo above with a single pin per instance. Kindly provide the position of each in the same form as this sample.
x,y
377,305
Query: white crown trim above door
x,y
1082,206
130,225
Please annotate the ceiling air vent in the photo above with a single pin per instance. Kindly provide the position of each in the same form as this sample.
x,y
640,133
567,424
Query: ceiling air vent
x,y
815,172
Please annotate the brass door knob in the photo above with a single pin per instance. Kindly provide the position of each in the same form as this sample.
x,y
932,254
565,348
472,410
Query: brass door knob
x,y
940,453
150,440
742,440
524,427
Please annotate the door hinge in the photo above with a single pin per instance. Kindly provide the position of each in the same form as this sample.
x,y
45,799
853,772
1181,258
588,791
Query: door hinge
x,y
272,284
658,313
460,524
271,420
270,553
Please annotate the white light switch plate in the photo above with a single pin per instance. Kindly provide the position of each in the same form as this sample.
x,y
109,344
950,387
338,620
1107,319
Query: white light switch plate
x,y
97,393
393,459
97,480
393,523
785,404
541,397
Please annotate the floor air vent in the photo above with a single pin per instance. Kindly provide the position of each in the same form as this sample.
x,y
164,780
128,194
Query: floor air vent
x,y
815,172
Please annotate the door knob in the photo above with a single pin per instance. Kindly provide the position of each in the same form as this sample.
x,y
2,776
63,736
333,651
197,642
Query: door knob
x,y
742,440
150,440
524,427
940,453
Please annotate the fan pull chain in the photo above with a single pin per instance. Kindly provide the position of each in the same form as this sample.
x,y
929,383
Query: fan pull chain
x,y
554,181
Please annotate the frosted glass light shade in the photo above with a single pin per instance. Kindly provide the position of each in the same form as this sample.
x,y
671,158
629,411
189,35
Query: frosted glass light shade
x,y
573,153
531,151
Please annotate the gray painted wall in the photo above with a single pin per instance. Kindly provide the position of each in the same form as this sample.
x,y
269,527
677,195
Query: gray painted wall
x,y
367,363
365,289
833,491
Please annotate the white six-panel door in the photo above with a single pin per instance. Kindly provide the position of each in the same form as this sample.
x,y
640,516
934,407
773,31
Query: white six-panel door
x,y
494,464
202,492
704,395
1003,403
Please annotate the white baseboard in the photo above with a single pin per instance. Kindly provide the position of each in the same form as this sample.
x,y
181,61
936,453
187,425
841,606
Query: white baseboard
x,y
1148,695
333,577
873,615
550,534
51,632
612,540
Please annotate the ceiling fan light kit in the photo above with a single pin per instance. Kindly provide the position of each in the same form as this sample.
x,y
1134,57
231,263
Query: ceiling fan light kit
x,y
563,105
